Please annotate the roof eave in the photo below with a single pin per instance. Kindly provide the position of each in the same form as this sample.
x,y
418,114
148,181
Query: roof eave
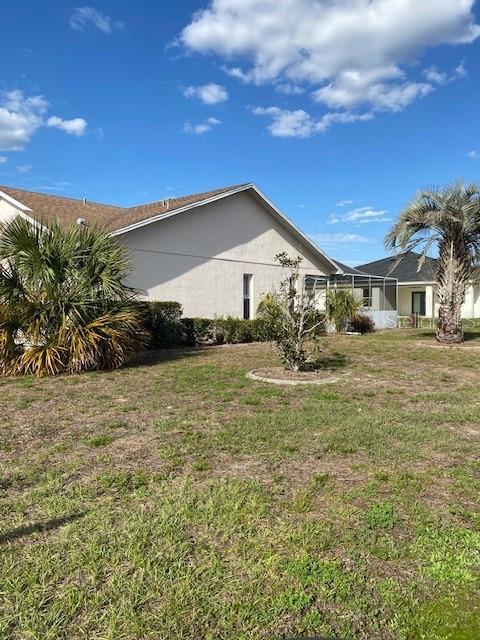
x,y
16,203
23,210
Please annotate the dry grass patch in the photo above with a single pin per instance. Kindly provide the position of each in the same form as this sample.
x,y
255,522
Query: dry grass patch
x,y
177,499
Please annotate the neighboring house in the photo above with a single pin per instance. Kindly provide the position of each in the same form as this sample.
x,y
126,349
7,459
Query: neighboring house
x,y
213,252
417,287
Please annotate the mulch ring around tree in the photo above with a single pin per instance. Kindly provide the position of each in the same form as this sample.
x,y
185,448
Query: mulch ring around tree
x,y
279,375
464,346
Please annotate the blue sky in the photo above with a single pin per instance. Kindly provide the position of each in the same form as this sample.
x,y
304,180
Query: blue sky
x,y
338,110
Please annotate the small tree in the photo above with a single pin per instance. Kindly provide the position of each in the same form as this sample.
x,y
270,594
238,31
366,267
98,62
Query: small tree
x,y
290,315
341,307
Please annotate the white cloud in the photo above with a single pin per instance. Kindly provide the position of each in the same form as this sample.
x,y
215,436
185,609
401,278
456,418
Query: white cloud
x,y
21,116
433,75
3,159
24,168
300,124
361,215
351,53
474,153
335,239
344,203
236,72
208,93
55,186
83,17
76,126
289,89
353,88
314,40
202,127
287,124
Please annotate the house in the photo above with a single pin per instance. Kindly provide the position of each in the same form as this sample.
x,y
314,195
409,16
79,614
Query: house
x,y
213,252
417,287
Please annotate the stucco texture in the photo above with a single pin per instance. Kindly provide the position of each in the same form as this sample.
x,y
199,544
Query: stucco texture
x,y
199,257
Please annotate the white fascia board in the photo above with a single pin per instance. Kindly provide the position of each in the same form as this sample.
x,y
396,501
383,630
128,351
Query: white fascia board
x,y
247,187
416,283
15,203
22,209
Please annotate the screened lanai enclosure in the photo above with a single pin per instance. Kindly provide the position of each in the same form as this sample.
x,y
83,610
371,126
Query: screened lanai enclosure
x,y
379,294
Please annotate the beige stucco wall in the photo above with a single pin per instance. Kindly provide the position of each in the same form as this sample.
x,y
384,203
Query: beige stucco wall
x,y
405,299
199,257
470,307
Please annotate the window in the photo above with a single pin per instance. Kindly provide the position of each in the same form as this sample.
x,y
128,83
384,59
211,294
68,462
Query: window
x,y
247,296
310,289
367,298
419,302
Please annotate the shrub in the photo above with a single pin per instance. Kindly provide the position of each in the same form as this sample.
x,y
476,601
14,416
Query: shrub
x,y
221,331
64,306
269,320
198,331
235,331
361,323
341,307
168,329
164,322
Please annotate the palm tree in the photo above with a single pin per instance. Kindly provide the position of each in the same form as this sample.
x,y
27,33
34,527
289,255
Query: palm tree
x,y
449,220
64,306
341,306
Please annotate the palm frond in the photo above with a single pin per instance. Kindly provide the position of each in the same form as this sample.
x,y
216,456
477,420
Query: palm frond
x,y
66,289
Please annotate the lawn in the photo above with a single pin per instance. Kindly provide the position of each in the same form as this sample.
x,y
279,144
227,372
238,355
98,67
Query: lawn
x,y
176,499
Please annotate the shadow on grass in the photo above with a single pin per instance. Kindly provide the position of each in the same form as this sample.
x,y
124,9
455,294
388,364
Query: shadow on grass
x,y
468,335
39,527
328,362
155,356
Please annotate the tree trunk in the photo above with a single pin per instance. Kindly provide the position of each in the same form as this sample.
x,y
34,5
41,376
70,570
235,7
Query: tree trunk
x,y
453,271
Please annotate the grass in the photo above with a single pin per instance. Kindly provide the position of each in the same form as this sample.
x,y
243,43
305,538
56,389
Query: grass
x,y
177,499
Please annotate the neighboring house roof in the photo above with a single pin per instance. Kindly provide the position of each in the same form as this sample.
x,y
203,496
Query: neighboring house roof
x,y
119,220
352,271
404,267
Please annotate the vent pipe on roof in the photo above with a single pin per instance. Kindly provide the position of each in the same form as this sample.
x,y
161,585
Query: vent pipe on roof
x,y
84,200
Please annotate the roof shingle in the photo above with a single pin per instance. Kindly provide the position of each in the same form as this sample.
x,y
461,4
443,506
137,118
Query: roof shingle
x,y
49,208
403,267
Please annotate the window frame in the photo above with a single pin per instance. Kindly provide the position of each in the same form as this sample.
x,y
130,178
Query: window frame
x,y
247,295
423,303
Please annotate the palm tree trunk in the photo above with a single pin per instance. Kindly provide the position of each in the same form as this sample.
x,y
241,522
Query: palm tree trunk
x,y
452,278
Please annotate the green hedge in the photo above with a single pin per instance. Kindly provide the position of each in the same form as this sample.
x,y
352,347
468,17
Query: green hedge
x,y
221,331
168,329
163,322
